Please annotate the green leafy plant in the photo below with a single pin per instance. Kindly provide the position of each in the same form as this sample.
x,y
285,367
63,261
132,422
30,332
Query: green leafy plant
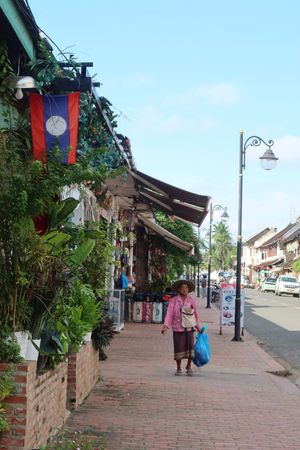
x,y
102,334
222,246
7,387
76,314
168,261
94,269
37,272
7,76
4,426
296,265
9,347
72,441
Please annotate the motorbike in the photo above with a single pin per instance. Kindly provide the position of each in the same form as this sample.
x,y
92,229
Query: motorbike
x,y
215,292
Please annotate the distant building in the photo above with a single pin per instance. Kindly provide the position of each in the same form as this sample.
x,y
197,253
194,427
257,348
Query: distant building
x,y
252,253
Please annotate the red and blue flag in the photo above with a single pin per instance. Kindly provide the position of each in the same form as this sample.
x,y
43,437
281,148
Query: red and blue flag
x,y
54,122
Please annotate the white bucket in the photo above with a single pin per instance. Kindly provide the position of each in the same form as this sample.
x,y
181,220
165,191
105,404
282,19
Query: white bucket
x,y
87,338
22,338
32,353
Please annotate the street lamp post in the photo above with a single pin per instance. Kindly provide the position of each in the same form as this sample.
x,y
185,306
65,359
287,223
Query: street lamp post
x,y
198,264
224,216
268,162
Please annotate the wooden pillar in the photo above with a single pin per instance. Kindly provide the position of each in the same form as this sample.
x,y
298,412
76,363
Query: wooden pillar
x,y
141,263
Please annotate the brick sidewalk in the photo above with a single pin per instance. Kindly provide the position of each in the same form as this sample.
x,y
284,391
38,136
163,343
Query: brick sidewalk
x,y
232,403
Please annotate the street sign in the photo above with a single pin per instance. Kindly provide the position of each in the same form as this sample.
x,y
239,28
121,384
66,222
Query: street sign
x,y
227,310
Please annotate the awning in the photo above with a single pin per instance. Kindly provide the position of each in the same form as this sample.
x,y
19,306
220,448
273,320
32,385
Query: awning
x,y
134,189
157,229
272,261
170,199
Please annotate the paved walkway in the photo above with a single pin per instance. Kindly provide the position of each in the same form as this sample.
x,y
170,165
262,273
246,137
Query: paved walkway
x,y
232,403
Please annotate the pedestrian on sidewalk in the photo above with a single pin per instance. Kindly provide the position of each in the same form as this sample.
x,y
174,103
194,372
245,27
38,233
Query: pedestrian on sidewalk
x,y
183,338
204,287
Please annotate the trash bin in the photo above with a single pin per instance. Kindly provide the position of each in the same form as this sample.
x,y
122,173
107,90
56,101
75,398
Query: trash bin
x,y
166,297
157,312
128,310
164,310
137,312
147,310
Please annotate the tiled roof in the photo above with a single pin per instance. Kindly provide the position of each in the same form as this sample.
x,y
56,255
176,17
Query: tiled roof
x,y
256,236
277,236
291,234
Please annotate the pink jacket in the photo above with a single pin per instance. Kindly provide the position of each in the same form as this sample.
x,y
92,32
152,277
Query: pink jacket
x,y
173,316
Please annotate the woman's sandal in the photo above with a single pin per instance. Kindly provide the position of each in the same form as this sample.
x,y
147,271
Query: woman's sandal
x,y
178,373
189,372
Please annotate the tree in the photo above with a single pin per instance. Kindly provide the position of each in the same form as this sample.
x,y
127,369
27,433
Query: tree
x,y
296,265
222,246
168,261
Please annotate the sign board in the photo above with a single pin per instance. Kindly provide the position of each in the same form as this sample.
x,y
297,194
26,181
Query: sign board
x,y
116,306
227,316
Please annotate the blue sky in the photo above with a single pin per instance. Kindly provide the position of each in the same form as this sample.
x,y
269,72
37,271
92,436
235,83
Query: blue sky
x,y
186,77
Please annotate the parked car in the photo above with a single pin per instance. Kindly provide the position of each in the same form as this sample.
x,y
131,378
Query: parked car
x,y
286,284
268,285
245,281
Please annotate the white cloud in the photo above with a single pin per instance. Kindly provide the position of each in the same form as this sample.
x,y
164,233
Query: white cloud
x,y
143,79
287,148
132,81
152,118
225,94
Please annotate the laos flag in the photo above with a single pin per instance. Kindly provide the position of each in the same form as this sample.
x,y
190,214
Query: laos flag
x,y
54,122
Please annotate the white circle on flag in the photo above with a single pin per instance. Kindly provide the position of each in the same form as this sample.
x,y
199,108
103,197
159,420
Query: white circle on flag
x,y
56,125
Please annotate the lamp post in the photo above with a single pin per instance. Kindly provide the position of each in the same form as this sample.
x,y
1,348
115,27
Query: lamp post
x,y
224,216
268,162
198,264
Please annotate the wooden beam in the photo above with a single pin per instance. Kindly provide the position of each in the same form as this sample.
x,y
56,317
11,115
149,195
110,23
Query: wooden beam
x,y
15,19
81,84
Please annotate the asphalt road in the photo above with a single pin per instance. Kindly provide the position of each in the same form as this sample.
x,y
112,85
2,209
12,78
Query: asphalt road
x,y
275,322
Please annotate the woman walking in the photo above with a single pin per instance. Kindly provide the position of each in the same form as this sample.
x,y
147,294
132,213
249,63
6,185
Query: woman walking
x,y
182,317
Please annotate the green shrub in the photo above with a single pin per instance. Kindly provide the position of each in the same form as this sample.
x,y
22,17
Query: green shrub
x,y
76,314
68,441
9,347
7,386
103,333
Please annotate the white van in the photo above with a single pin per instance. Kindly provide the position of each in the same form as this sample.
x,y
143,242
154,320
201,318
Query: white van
x,y
286,284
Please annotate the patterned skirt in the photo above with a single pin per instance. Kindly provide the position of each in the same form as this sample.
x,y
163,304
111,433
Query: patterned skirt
x,y
183,344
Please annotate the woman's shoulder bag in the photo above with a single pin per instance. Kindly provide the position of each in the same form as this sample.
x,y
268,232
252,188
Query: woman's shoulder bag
x,y
188,319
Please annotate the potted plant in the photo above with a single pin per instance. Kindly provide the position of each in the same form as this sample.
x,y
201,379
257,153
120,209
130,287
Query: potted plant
x,y
102,335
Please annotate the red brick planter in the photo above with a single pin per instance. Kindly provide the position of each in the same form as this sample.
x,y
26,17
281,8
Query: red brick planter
x,y
83,373
37,408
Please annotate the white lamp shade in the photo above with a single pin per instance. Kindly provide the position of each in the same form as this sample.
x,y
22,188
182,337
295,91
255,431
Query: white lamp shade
x,y
268,160
19,94
25,83
268,164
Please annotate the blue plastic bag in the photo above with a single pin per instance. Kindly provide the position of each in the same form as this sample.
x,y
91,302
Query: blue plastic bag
x,y
202,349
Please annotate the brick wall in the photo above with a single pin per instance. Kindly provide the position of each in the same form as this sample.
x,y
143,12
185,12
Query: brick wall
x,y
37,408
83,373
